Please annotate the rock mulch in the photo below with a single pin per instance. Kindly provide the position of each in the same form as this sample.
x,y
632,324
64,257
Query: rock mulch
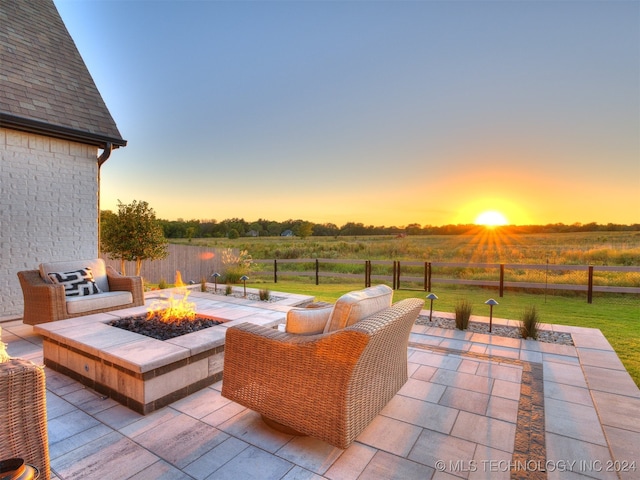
x,y
500,330
156,328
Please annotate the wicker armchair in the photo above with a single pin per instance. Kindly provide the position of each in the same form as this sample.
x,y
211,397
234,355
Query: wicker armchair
x,y
46,302
329,386
23,414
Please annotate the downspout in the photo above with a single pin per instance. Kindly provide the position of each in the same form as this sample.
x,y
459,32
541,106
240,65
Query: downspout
x,y
104,156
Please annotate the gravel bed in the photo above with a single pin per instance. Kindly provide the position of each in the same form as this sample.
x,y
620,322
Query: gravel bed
x,y
500,330
250,296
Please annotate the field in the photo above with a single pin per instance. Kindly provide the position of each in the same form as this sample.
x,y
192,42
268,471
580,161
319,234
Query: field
x,y
486,246
617,316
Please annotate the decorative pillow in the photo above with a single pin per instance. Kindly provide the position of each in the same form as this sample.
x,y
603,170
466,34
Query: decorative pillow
x,y
4,356
307,321
77,283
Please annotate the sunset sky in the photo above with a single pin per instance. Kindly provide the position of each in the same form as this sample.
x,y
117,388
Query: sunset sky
x,y
380,112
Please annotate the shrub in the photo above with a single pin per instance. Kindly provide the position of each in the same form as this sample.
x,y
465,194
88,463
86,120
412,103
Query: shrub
x,y
162,284
463,313
530,323
265,294
228,290
232,275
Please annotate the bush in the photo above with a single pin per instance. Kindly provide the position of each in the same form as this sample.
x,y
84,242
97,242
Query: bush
x,y
228,290
530,323
463,314
232,275
265,294
162,284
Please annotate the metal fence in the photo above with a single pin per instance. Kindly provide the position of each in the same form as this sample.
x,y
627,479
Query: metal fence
x,y
589,280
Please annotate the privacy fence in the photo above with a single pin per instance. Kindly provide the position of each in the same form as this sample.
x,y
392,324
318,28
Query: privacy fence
x,y
194,263
409,275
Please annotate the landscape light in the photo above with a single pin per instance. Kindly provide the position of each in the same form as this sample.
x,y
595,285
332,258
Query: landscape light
x,y
491,302
215,282
432,297
244,279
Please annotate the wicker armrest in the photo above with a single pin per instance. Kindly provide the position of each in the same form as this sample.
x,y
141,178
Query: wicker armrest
x,y
43,302
119,282
23,414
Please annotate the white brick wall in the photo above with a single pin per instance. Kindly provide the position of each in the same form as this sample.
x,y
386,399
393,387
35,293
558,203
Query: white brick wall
x,y
48,207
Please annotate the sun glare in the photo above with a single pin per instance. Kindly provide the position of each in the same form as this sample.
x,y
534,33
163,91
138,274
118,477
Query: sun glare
x,y
491,219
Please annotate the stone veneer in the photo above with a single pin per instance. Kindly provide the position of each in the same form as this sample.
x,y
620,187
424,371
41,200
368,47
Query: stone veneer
x,y
143,373
49,208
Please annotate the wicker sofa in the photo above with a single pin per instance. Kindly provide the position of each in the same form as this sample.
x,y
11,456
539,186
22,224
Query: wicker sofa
x,y
48,297
329,385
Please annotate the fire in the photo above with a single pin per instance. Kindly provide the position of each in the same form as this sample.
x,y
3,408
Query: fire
x,y
173,310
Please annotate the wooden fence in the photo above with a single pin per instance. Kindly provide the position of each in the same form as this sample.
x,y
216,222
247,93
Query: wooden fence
x,y
399,279
196,262
193,263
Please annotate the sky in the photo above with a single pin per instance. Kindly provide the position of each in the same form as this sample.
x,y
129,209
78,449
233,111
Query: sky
x,y
376,112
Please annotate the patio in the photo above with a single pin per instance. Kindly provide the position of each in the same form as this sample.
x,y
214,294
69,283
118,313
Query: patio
x,y
475,406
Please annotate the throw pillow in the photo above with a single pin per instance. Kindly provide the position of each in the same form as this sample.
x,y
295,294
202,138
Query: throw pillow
x,y
4,356
307,321
77,283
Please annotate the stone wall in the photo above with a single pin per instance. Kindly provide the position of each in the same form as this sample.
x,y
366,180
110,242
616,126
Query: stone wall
x,y
48,207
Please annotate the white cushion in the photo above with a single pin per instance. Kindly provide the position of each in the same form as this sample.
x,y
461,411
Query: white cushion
x,y
354,306
98,301
97,265
307,321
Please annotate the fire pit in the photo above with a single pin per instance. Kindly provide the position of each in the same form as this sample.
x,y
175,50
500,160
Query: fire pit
x,y
167,321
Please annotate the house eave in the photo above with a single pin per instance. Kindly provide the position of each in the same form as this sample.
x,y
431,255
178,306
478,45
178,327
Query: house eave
x,y
38,127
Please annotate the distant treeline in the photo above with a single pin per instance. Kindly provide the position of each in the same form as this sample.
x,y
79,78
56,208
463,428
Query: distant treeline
x,y
238,227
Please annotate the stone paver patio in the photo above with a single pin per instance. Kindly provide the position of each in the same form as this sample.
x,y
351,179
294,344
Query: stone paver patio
x,y
475,406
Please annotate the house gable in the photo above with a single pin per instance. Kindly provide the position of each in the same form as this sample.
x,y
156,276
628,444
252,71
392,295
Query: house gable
x,y
45,87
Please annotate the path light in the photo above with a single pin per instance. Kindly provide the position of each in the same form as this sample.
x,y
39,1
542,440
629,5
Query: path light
x,y
244,279
432,297
215,282
491,302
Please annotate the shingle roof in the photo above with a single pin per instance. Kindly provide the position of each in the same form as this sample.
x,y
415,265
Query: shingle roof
x,y
45,86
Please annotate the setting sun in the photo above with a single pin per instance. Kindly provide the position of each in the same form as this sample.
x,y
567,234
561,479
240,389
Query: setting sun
x,y
491,218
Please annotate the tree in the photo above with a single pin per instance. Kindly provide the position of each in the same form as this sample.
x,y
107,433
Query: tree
x,y
133,234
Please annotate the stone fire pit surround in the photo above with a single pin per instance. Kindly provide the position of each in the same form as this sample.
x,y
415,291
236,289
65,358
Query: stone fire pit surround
x,y
143,373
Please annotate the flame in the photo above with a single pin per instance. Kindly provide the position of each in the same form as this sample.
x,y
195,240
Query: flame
x,y
173,310
179,282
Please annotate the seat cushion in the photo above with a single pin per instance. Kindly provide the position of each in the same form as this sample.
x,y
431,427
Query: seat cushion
x,y
97,266
98,301
354,306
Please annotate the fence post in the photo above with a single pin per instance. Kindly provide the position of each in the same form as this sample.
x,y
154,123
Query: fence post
x,y
426,268
394,274
367,273
317,271
398,273
501,279
590,287
429,278
275,271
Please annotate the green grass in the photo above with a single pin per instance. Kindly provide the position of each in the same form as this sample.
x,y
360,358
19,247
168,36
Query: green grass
x,y
617,318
